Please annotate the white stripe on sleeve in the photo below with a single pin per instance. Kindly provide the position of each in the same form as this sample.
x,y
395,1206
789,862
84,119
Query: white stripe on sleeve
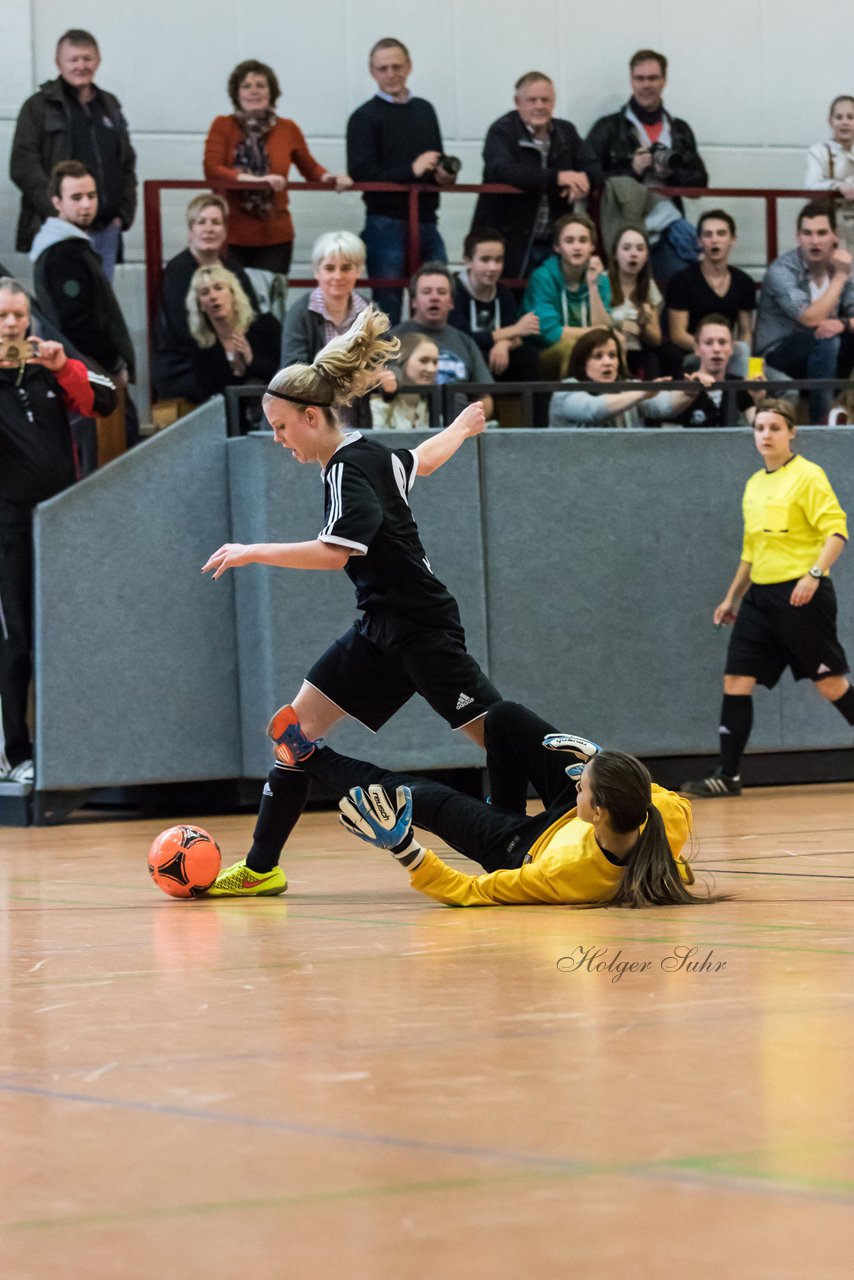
x,y
333,481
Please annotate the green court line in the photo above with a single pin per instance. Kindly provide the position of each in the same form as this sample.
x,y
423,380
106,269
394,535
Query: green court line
x,y
721,1177
293,1199
727,1167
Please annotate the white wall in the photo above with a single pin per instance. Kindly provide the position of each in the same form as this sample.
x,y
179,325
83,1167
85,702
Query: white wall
x,y
753,78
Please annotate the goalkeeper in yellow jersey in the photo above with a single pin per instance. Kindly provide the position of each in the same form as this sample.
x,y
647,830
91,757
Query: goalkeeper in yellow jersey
x,y
607,835
781,600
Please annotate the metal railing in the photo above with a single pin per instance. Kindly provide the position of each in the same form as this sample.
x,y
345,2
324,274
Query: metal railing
x,y
413,191
444,398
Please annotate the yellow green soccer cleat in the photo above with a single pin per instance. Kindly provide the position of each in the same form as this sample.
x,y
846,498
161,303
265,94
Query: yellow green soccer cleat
x,y
241,882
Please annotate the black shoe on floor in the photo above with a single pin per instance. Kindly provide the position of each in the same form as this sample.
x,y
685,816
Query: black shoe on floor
x,y
717,784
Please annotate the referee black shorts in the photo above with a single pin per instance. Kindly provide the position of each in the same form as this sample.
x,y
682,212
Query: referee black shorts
x,y
376,667
771,634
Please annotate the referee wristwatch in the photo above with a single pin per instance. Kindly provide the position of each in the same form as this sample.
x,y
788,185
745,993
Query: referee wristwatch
x,y
816,572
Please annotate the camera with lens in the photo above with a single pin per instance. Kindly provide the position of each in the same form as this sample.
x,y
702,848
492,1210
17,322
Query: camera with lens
x,y
665,159
451,164
17,350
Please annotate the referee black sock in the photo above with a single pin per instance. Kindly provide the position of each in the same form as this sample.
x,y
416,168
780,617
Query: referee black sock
x,y
282,801
736,723
845,704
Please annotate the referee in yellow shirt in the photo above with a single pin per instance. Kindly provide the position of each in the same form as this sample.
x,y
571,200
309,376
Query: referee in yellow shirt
x,y
781,601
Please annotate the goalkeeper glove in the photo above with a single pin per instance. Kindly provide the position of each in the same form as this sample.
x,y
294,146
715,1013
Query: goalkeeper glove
x,y
581,748
375,818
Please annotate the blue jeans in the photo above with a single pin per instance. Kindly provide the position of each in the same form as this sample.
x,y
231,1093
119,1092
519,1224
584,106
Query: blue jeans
x,y
385,242
802,355
107,242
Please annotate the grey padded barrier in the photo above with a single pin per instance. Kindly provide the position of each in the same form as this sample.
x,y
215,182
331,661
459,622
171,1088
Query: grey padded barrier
x,y
287,618
591,560
606,554
136,662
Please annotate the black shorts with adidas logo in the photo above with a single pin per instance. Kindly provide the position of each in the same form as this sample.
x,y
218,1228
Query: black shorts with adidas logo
x,y
771,634
376,667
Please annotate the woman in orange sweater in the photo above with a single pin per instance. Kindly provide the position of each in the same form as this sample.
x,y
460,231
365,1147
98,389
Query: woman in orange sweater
x,y
253,145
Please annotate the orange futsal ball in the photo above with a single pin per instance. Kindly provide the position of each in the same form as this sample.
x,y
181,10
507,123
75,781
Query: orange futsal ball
x,y
184,861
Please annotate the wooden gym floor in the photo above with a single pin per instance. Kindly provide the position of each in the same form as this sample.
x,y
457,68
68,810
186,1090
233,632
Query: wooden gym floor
x,y
352,1081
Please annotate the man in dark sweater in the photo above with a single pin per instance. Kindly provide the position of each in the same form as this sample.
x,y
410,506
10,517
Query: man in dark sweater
x,y
395,137
36,461
70,118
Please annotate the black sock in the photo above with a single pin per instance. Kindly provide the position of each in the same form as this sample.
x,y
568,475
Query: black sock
x,y
282,801
736,723
845,704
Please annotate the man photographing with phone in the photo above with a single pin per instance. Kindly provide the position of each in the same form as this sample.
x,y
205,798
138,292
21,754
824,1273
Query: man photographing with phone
x,y
39,385
805,325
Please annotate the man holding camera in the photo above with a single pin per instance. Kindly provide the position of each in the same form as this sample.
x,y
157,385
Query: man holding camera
x,y
644,142
39,386
395,137
546,157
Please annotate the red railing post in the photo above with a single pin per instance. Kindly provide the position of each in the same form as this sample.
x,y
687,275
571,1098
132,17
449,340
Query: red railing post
x,y
153,248
413,233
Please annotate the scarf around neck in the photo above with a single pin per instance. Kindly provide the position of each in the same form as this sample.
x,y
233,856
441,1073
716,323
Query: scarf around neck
x,y
250,156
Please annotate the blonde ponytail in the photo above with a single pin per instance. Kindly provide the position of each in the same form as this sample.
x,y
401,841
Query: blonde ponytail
x,y
345,369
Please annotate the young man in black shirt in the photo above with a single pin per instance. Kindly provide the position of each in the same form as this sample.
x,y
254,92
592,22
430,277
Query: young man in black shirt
x,y
708,287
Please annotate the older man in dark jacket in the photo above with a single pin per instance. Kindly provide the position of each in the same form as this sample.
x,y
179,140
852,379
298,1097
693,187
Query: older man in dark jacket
x,y
545,157
70,118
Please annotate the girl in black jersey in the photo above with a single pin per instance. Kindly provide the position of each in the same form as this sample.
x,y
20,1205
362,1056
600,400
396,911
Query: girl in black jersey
x,y
409,638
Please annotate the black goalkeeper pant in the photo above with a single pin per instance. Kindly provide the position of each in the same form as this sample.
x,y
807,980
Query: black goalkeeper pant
x,y
497,835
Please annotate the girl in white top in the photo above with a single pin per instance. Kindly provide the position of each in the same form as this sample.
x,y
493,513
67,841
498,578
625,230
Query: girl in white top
x,y
416,366
830,165
635,302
